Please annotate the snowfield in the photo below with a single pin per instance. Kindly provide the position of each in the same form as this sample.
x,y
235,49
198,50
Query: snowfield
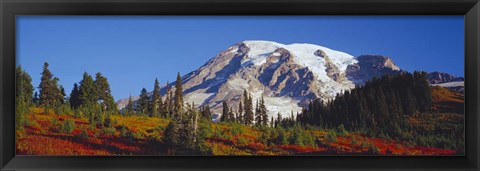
x,y
304,55
451,84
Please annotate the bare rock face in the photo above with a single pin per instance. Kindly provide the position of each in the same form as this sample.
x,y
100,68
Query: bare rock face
x,y
370,66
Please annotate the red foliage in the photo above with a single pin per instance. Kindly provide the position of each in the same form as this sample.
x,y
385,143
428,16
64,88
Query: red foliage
x,y
300,149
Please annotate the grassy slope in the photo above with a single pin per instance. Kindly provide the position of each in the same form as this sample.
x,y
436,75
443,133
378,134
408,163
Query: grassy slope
x,y
446,100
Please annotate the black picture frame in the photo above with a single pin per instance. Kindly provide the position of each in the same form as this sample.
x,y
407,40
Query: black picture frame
x,y
9,9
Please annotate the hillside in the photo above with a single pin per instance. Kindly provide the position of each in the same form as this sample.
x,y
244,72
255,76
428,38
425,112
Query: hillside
x,y
139,135
446,100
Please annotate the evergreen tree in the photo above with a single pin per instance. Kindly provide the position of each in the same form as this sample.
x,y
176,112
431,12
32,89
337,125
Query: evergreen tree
x,y
248,109
178,96
206,114
240,112
130,109
225,111
142,107
172,132
88,95
156,105
168,101
263,112
272,123
50,93
62,92
171,107
104,94
74,97
278,121
23,87
231,115
258,114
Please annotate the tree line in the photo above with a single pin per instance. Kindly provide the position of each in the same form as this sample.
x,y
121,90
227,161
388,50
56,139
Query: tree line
x,y
381,104
246,114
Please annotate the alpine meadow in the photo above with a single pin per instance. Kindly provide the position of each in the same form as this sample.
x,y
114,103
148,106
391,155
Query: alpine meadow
x,y
236,86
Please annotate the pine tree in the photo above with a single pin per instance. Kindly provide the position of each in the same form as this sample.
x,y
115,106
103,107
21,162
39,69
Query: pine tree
x,y
23,87
171,106
206,114
231,115
74,97
142,107
248,109
130,109
156,104
264,112
168,102
178,95
88,95
63,94
172,132
272,123
258,114
240,112
50,93
104,93
278,121
225,111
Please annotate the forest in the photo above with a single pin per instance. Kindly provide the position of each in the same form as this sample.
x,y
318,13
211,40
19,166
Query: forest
x,y
391,115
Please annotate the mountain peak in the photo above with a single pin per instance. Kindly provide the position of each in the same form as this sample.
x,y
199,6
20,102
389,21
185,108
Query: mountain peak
x,y
288,76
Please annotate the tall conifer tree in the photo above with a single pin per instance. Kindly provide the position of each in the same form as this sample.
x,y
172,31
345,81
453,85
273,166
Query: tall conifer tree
x,y
142,107
74,97
50,93
88,94
104,93
178,96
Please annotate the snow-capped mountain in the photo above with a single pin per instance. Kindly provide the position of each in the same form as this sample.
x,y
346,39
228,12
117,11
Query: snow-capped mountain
x,y
288,76
441,77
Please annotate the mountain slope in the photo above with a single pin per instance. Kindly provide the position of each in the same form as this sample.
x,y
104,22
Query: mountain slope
x,y
288,76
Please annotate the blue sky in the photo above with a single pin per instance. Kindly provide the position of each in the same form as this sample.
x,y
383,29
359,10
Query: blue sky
x,y
131,51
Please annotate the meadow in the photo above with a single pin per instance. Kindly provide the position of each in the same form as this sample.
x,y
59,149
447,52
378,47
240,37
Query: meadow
x,y
61,134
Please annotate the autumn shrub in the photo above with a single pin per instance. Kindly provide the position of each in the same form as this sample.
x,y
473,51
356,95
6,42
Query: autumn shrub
x,y
109,131
36,110
309,139
131,135
138,135
48,111
283,137
297,138
205,130
107,122
83,134
78,113
20,112
32,123
341,130
331,137
373,149
353,141
64,109
67,126
55,124
236,129
123,131
204,148
242,141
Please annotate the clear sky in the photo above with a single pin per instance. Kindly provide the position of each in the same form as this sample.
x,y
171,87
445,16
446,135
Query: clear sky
x,y
131,51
